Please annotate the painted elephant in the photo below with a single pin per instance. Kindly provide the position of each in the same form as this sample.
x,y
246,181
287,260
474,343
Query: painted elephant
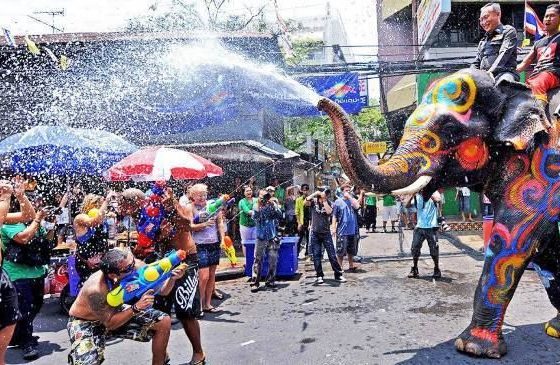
x,y
469,131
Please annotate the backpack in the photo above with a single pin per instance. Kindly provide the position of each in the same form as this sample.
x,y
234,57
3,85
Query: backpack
x,y
36,252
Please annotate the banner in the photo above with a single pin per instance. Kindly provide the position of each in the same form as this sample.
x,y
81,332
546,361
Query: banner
x,y
9,37
343,89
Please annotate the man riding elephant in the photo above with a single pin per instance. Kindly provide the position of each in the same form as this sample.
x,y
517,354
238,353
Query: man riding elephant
x,y
497,50
469,131
546,52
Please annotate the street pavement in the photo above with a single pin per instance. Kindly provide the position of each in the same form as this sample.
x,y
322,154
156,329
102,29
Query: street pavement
x,y
378,317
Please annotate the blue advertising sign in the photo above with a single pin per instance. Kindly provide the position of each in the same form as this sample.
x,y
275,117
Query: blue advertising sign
x,y
343,89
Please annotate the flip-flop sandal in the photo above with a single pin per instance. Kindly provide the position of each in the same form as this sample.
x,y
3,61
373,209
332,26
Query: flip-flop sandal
x,y
199,362
211,310
217,295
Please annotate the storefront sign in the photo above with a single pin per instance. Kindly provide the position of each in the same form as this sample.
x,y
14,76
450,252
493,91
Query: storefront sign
x,y
370,148
431,15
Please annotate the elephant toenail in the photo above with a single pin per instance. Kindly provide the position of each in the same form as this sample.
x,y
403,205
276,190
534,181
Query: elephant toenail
x,y
473,349
459,345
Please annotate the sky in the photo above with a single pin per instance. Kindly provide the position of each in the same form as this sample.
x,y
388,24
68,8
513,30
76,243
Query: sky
x,y
358,16
111,15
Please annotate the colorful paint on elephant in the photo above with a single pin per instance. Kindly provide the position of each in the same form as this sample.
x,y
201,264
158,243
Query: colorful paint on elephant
x,y
531,198
454,95
467,129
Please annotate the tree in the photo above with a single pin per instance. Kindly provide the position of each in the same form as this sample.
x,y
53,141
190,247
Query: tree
x,y
237,22
179,16
302,49
183,16
369,123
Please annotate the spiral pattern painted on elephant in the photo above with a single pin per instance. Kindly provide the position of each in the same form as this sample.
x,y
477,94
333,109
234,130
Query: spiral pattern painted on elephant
x,y
457,92
453,95
422,114
531,198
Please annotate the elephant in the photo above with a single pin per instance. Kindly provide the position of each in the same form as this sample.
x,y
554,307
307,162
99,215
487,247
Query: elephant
x,y
468,131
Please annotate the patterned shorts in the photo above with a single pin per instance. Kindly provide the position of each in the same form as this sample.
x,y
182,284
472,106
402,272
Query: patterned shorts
x,y
87,338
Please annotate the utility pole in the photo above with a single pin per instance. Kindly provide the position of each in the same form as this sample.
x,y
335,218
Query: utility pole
x,y
52,13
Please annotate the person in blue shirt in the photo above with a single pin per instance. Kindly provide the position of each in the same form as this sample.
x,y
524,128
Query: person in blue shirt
x,y
426,228
266,215
345,224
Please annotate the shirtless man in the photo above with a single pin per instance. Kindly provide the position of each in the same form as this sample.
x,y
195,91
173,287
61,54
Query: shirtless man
x,y
92,320
185,295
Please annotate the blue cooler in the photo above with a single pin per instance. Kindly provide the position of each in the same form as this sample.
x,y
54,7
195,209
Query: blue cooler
x,y
287,258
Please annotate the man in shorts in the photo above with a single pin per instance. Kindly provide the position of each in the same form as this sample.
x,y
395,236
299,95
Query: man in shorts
x,y
345,225
389,212
464,198
92,320
185,295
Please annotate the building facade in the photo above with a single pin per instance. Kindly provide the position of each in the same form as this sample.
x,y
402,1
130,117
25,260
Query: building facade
x,y
418,32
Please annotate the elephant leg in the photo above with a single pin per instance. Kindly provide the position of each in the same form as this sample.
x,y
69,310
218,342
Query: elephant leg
x,y
548,267
507,256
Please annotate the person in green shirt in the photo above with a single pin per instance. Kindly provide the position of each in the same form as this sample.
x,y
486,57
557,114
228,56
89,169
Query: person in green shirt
x,y
26,256
246,223
9,311
279,191
389,212
370,211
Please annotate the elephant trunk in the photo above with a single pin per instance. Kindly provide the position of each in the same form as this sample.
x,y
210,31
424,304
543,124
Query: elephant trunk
x,y
389,177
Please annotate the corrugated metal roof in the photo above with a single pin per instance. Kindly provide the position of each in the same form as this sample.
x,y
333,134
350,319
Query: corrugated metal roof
x,y
131,36
245,149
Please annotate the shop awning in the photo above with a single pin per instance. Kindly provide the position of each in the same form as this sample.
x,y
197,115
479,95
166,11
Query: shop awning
x,y
262,150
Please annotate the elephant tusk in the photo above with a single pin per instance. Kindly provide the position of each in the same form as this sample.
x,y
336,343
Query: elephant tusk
x,y
415,187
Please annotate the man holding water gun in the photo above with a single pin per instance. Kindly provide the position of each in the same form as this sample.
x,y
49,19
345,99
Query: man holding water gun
x,y
92,319
185,294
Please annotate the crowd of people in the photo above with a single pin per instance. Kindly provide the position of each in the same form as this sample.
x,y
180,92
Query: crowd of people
x,y
322,220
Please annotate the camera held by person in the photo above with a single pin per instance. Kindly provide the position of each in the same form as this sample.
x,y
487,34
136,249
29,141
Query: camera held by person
x,y
52,210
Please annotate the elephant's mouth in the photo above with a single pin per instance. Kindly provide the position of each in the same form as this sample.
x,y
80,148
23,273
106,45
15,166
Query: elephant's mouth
x,y
415,187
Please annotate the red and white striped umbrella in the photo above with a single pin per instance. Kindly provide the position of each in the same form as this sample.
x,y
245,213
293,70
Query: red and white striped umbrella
x,y
161,163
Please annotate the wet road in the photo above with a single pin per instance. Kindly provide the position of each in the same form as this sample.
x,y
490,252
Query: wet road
x,y
378,317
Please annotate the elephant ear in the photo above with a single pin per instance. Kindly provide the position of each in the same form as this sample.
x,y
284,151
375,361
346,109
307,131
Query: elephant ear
x,y
521,116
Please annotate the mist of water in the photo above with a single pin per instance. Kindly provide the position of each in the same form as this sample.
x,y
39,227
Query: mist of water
x,y
137,89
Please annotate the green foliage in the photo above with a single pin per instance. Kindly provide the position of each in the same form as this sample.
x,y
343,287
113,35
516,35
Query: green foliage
x,y
179,17
301,50
298,129
369,123
184,16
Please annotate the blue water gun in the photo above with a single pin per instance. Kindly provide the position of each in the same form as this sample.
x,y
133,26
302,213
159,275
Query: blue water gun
x,y
150,276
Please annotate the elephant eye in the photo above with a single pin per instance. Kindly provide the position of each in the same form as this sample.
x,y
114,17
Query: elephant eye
x,y
450,129
448,126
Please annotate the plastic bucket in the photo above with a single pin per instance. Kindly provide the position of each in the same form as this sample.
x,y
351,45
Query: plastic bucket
x,y
487,224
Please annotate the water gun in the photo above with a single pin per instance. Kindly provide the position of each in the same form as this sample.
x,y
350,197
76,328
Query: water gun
x,y
212,208
229,250
152,215
150,276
